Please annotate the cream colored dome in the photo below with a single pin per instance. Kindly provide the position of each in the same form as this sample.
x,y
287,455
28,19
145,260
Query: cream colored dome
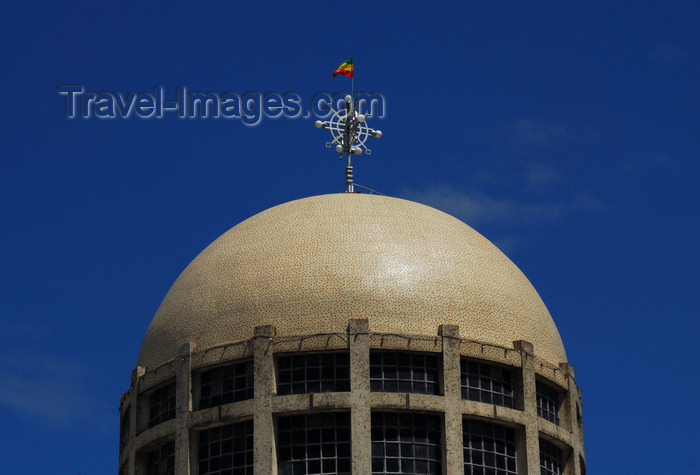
x,y
309,265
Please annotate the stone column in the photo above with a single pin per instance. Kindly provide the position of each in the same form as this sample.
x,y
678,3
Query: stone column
x,y
360,412
573,467
452,391
183,407
132,465
530,446
265,457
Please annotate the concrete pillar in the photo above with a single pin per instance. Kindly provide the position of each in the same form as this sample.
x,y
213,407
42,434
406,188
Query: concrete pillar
x,y
360,413
530,446
265,457
133,414
183,407
452,391
569,409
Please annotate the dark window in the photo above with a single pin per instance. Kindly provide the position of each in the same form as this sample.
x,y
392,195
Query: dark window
x,y
406,443
161,405
161,461
227,450
315,443
488,448
226,384
547,402
578,415
404,373
550,459
313,373
486,383
125,430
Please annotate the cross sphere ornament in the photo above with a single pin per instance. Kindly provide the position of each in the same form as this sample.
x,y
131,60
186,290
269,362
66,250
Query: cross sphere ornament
x,y
349,131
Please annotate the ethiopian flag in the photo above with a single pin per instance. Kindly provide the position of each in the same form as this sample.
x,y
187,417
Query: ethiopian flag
x,y
345,69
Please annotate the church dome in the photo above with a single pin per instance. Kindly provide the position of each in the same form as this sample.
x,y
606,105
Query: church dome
x,y
310,265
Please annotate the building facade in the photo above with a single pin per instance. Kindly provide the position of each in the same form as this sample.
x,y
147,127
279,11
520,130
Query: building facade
x,y
352,333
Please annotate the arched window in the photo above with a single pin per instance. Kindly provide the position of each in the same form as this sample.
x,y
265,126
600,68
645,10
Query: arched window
x,y
313,373
161,460
404,372
548,402
227,449
488,448
406,443
226,384
314,444
486,383
551,462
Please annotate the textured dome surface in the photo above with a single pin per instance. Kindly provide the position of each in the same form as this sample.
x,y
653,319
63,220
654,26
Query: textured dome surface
x,y
309,265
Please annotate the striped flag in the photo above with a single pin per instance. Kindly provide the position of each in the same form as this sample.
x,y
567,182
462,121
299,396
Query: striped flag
x,y
345,69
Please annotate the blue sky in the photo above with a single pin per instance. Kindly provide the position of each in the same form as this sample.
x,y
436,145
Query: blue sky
x,y
565,132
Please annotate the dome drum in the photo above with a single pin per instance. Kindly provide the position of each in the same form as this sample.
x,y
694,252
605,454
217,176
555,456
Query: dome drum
x,y
265,349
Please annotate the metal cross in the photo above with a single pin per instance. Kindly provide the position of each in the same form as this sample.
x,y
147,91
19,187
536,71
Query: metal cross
x,y
349,131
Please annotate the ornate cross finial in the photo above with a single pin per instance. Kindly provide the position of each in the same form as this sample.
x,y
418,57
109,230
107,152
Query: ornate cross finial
x,y
349,131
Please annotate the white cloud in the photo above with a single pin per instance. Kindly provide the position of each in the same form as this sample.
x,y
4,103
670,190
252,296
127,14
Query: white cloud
x,y
50,398
54,389
477,208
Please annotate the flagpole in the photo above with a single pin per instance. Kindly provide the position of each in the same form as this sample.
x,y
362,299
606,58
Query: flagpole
x,y
352,83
